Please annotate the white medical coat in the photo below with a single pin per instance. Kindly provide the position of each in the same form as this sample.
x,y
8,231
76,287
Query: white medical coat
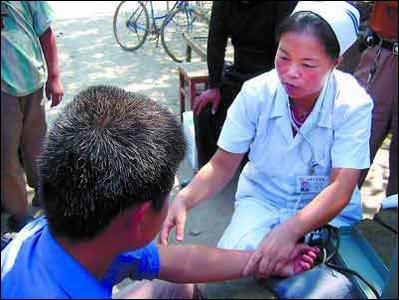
x,y
258,121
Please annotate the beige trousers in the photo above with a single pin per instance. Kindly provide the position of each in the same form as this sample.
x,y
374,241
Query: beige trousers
x,y
155,289
23,126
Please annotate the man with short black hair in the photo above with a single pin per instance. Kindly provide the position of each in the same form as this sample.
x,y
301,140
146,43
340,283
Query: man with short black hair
x,y
106,171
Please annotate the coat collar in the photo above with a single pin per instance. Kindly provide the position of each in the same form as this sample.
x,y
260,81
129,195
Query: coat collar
x,y
322,111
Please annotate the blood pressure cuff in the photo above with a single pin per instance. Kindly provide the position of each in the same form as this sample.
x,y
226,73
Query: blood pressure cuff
x,y
322,282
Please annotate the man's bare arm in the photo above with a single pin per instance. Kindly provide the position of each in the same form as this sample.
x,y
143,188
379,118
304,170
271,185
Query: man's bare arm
x,y
185,264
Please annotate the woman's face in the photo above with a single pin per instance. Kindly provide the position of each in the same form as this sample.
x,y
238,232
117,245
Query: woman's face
x,y
302,65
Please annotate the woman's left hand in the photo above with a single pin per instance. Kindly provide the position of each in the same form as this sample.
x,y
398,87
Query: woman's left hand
x,y
277,246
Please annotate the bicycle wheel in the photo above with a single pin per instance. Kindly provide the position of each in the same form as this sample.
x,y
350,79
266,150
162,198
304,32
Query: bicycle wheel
x,y
178,22
131,24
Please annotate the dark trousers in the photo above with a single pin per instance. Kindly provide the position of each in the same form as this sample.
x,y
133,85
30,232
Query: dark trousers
x,y
208,126
384,91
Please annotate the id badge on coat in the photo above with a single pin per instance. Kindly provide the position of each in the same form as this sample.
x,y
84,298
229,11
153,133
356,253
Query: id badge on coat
x,y
311,184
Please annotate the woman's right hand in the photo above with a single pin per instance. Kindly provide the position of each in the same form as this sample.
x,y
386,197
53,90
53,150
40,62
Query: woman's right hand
x,y
177,215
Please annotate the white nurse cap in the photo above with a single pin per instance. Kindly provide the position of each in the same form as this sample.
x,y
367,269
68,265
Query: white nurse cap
x,y
342,17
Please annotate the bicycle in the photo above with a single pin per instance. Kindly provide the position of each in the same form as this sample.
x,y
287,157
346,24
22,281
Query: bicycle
x,y
132,26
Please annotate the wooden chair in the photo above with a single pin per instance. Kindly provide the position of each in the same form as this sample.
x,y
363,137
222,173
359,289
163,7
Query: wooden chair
x,y
193,79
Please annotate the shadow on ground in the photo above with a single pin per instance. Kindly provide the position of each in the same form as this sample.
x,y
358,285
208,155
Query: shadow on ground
x,y
89,55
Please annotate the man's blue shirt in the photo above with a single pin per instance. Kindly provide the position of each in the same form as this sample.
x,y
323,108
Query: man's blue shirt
x,y
34,265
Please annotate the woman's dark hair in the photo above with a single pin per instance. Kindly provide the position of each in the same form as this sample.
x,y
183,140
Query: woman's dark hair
x,y
304,21
108,151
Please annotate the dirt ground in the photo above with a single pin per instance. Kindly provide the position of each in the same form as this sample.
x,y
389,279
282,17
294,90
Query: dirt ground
x,y
89,55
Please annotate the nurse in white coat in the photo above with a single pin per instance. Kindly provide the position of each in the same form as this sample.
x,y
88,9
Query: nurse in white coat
x,y
306,127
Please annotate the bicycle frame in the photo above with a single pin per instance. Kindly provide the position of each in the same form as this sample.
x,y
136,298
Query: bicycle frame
x,y
141,21
177,4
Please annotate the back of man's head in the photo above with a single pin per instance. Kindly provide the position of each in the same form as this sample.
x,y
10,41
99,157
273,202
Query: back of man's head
x,y
108,150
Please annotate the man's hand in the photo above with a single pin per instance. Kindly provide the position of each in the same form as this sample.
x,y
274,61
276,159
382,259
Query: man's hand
x,y
210,96
177,215
54,90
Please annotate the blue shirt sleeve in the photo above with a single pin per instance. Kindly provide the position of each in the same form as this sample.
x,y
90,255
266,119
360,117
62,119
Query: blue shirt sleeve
x,y
143,263
42,16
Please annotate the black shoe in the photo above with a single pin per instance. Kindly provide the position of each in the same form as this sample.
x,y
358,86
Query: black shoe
x,y
15,224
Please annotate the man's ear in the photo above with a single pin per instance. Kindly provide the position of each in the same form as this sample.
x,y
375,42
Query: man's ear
x,y
140,213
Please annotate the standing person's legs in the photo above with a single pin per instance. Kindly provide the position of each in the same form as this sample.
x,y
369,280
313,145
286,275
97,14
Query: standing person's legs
x,y
205,137
382,90
23,126
33,134
209,126
13,193
392,188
